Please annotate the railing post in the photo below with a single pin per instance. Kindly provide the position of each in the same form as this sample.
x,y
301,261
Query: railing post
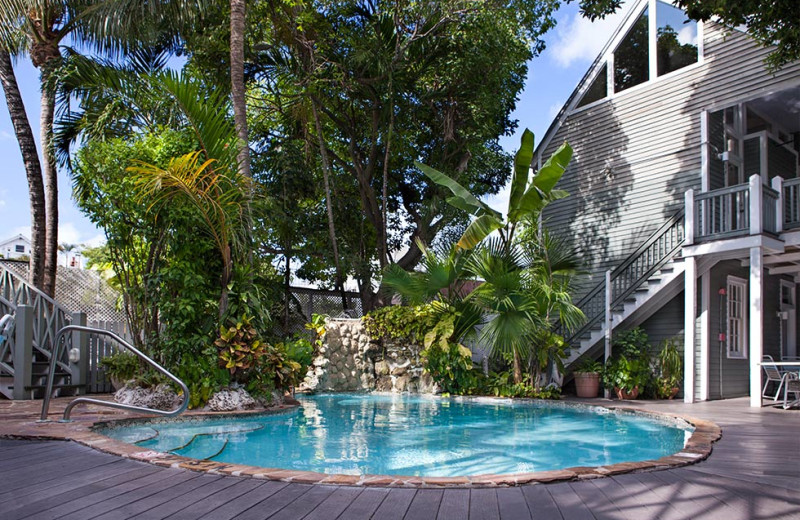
x,y
80,343
688,224
609,296
777,185
756,195
23,352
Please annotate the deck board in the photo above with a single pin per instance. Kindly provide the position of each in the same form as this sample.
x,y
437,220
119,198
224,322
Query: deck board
x,y
211,502
395,505
753,473
304,505
365,505
483,504
335,504
275,502
454,505
248,500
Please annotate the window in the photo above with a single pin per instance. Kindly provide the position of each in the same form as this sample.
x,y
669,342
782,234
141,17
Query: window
x,y
597,90
676,39
632,57
19,248
736,335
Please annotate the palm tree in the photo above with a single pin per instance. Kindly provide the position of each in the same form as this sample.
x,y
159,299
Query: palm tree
x,y
238,19
33,169
38,28
514,292
216,194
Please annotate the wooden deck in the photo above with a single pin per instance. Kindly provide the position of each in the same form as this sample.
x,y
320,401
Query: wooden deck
x,y
754,473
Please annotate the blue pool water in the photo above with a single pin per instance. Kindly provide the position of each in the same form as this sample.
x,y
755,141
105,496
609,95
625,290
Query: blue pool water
x,y
421,436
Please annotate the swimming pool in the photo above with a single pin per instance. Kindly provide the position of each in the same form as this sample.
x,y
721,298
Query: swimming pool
x,y
359,434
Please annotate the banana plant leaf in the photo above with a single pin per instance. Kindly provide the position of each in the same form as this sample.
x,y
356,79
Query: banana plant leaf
x,y
462,198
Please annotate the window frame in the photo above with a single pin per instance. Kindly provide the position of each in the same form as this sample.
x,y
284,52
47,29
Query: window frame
x,y
607,60
742,333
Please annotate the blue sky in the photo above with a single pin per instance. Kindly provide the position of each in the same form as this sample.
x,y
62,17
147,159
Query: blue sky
x,y
571,48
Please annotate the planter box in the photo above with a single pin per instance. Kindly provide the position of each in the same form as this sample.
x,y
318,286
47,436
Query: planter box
x,y
587,384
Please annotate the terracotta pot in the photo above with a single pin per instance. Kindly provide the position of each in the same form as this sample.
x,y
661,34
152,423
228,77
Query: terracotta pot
x,y
587,384
622,394
673,392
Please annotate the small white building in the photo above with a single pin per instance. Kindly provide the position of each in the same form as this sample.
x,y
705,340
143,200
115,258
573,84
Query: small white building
x,y
15,247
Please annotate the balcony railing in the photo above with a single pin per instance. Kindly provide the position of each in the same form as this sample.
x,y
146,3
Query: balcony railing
x,y
746,209
791,203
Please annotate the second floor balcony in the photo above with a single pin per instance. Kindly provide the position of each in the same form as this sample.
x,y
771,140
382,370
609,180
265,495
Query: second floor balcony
x,y
753,208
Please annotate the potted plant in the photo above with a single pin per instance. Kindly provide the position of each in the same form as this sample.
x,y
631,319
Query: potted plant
x,y
587,378
120,367
670,369
627,377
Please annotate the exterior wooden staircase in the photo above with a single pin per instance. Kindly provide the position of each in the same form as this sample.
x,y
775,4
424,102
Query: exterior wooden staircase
x,y
650,277
31,320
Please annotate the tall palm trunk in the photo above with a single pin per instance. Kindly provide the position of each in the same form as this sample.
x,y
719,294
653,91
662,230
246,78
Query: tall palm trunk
x,y
238,16
50,181
33,168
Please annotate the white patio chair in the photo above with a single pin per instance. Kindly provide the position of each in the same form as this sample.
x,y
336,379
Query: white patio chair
x,y
791,385
774,375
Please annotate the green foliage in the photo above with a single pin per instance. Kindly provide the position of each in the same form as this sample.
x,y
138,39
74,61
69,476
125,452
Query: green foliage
x,y
411,323
202,375
632,343
590,366
523,286
630,365
121,365
627,374
301,352
669,368
450,365
317,326
240,348
502,385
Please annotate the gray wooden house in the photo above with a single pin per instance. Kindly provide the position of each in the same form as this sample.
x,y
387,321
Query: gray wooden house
x,y
684,197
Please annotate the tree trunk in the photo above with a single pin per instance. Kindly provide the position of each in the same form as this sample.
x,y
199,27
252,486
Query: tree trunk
x,y
50,181
326,170
238,16
33,168
517,368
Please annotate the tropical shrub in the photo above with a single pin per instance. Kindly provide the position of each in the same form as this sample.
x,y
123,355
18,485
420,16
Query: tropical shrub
x,y
501,384
669,368
448,362
121,365
411,323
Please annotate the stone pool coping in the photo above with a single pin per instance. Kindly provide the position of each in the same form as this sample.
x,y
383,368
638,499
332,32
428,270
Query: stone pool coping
x,y
697,448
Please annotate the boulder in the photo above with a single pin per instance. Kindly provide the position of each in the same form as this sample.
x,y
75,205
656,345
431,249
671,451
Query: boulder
x,y
159,397
229,399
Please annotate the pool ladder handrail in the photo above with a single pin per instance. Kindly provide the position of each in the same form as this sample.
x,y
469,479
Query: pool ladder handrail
x,y
122,342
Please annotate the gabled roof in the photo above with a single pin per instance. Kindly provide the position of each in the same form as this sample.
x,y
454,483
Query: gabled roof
x,y
594,69
19,236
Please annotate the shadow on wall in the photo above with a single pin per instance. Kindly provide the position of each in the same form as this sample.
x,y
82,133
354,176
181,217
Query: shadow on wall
x,y
600,179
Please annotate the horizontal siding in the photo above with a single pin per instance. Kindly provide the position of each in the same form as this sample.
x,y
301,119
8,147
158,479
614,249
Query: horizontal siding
x,y
735,373
637,153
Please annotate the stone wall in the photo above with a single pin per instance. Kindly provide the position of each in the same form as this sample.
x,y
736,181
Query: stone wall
x,y
349,361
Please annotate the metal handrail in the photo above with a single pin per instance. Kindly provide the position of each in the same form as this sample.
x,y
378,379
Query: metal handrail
x,y
68,409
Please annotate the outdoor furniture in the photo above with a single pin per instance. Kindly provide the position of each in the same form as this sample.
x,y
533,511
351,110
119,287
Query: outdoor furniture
x,y
774,375
791,384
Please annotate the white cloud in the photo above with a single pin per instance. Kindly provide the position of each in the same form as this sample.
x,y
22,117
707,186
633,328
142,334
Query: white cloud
x,y
688,35
5,135
579,41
